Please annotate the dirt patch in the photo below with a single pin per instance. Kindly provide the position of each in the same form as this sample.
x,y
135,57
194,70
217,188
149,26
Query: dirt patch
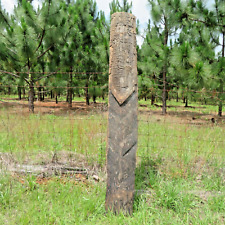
x,y
64,165
48,106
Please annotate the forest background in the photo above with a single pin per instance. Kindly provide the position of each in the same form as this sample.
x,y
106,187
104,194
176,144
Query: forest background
x,y
64,44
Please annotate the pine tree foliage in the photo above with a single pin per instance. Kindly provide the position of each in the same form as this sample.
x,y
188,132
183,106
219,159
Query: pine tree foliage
x,y
213,21
69,36
157,42
117,6
183,49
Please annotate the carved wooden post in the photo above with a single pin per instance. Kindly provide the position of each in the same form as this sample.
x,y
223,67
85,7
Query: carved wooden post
x,y
122,118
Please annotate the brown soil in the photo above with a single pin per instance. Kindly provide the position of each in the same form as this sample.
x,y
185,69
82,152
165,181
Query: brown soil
x,y
50,107
181,116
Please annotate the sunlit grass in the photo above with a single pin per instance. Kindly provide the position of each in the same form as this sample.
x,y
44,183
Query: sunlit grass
x,y
179,175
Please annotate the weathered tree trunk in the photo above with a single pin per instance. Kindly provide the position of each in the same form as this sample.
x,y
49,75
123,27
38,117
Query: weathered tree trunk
x,y
122,118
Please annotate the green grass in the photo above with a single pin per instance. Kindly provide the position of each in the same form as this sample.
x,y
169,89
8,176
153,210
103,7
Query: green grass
x,y
32,134
179,175
167,201
193,107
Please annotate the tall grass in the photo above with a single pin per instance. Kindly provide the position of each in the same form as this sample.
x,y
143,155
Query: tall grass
x,y
179,175
32,134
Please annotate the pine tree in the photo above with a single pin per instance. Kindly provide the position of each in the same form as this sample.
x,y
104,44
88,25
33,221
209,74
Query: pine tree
x,y
150,64
28,38
94,39
213,19
191,58
116,6
165,16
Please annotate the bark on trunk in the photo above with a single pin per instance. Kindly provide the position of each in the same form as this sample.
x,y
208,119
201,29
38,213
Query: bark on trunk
x,y
87,94
39,98
94,99
94,96
186,102
51,95
70,90
165,71
221,81
220,108
152,99
24,93
56,98
67,94
31,97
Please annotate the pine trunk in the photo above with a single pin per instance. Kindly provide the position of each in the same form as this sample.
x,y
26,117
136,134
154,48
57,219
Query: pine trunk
x,y
94,96
39,94
31,97
87,94
56,98
9,90
43,94
70,90
164,72
24,93
220,110
19,93
152,99
51,95
186,102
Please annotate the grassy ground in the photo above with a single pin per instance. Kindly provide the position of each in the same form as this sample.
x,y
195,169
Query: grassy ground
x,y
180,175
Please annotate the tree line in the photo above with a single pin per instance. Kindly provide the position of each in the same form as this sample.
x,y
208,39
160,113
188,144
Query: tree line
x,y
63,43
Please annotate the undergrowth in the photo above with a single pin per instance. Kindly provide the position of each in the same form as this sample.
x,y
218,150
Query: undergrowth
x,y
179,175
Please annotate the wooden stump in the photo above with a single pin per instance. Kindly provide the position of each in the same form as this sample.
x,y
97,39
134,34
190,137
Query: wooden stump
x,y
122,118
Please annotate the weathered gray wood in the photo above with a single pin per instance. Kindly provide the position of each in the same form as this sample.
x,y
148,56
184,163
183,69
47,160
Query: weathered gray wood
x,y
122,118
